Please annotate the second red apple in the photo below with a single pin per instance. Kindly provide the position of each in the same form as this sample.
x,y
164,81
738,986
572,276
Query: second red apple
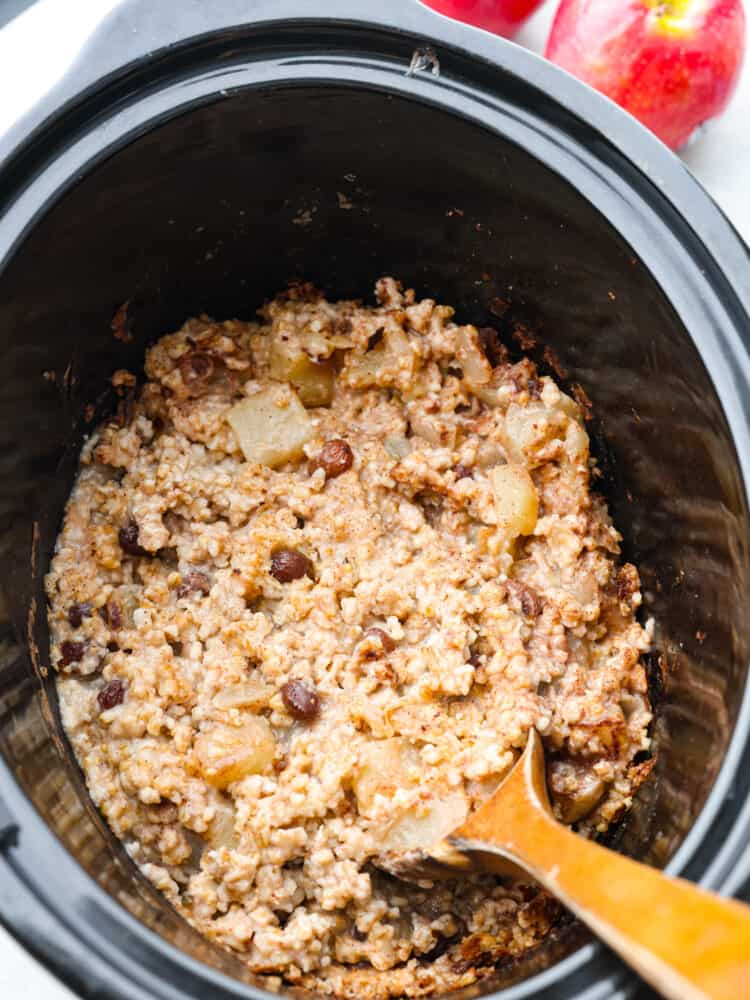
x,y
503,17
673,64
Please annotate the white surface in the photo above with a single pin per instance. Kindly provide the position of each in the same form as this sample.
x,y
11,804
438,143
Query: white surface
x,y
55,33
720,158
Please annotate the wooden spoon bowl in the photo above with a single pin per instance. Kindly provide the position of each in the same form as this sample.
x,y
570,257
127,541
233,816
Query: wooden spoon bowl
x,y
687,943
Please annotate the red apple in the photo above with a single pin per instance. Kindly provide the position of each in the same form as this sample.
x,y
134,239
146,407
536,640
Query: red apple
x,y
504,17
673,64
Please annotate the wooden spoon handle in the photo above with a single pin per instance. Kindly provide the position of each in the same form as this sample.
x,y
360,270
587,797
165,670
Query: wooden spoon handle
x,y
688,943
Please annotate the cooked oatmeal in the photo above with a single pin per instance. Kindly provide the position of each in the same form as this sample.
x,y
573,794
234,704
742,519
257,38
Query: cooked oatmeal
x,y
315,583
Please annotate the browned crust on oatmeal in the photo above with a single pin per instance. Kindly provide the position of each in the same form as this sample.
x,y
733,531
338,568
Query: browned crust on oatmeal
x,y
120,324
270,666
581,397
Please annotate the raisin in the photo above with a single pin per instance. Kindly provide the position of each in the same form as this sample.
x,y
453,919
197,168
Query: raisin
x,y
525,599
381,636
335,458
300,700
194,581
111,695
196,365
72,652
77,612
128,539
289,564
281,764
111,615
461,471
531,603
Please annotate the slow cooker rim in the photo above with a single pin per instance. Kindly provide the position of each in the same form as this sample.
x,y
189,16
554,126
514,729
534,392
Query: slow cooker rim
x,y
733,753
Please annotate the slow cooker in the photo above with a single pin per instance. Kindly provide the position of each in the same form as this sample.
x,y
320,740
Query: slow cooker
x,y
195,158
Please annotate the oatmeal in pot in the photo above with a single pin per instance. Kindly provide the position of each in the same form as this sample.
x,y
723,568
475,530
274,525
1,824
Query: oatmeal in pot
x,y
316,581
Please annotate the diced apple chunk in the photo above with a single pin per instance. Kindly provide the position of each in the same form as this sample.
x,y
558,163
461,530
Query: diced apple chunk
x,y
516,500
489,393
391,362
252,693
227,753
472,359
425,824
569,407
526,429
315,338
575,788
397,447
271,426
221,832
366,370
489,453
313,380
435,428
384,767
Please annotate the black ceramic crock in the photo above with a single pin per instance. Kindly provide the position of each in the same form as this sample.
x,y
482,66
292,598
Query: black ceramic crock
x,y
199,155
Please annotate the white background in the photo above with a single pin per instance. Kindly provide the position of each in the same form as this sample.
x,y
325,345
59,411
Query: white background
x,y
720,158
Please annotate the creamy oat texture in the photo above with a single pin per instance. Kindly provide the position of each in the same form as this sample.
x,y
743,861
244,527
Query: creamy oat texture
x,y
459,522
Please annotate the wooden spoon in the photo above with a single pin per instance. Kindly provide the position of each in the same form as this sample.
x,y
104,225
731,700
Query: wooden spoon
x,y
687,943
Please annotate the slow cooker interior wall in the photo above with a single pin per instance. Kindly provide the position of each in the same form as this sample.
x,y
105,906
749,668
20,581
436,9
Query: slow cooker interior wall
x,y
217,209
